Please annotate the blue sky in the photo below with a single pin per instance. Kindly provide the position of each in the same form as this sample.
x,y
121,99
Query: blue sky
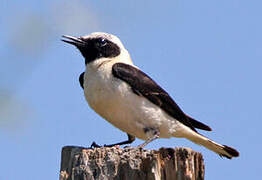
x,y
206,54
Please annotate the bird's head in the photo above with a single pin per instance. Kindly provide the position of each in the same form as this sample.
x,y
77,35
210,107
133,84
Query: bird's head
x,y
96,46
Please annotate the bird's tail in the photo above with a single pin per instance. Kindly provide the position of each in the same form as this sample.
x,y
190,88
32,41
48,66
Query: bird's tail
x,y
222,150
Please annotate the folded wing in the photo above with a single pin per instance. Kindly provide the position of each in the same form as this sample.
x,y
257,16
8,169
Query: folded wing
x,y
143,85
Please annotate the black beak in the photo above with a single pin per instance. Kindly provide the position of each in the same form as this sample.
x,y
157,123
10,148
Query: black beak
x,y
74,41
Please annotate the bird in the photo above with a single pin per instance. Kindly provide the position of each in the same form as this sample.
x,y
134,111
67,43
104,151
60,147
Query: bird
x,y
132,101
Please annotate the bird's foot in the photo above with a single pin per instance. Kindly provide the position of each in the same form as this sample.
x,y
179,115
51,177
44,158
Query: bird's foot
x,y
128,148
154,137
94,145
132,149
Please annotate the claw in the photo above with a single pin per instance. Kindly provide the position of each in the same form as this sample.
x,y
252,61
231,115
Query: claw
x,y
94,145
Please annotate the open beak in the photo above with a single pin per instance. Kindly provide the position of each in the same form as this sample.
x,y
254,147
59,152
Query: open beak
x,y
73,40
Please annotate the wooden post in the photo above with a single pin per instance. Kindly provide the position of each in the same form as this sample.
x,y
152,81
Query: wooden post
x,y
114,163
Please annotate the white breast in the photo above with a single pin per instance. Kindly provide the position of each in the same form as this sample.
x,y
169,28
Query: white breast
x,y
114,100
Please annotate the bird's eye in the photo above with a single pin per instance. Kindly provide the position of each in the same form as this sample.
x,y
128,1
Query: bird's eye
x,y
102,42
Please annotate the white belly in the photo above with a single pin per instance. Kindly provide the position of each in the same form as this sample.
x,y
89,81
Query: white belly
x,y
114,100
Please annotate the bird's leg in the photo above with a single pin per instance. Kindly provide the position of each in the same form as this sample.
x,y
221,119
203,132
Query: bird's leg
x,y
155,136
129,141
94,145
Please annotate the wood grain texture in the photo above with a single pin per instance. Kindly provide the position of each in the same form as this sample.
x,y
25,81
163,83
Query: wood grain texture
x,y
115,163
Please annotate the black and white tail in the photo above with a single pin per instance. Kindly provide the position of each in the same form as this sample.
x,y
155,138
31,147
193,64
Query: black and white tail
x,y
222,150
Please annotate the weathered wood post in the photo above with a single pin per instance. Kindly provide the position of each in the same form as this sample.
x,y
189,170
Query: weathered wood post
x,y
115,163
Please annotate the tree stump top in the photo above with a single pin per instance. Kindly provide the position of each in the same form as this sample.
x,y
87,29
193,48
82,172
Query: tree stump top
x,y
115,163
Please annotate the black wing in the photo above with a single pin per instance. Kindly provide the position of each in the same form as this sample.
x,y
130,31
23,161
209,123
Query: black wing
x,y
81,79
197,124
142,84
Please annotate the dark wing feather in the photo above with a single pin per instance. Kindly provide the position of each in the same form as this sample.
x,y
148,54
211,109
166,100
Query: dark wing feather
x,y
198,125
142,84
81,79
